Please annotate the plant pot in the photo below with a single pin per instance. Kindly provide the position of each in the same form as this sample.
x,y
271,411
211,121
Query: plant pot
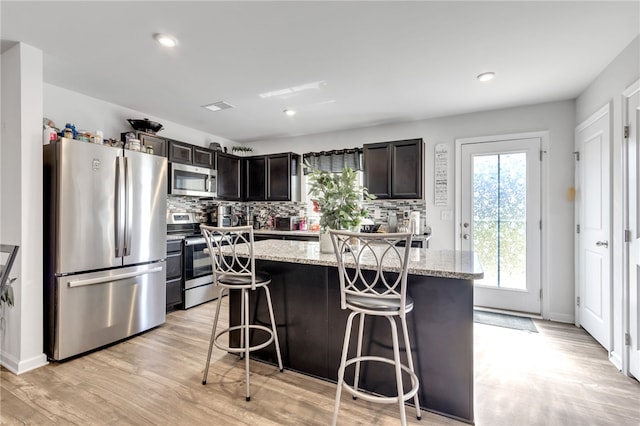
x,y
326,246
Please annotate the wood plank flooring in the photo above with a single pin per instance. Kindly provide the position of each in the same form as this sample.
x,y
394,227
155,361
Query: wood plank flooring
x,y
558,376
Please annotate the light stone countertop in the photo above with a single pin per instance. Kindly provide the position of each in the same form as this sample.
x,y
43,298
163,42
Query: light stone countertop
x,y
435,263
294,233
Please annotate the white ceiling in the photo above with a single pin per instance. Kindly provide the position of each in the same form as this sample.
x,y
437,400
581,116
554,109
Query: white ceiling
x,y
382,61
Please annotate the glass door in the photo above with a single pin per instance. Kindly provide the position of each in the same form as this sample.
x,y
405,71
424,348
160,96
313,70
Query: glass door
x,y
500,221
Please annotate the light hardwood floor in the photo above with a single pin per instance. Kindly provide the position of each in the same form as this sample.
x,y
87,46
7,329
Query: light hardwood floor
x,y
558,376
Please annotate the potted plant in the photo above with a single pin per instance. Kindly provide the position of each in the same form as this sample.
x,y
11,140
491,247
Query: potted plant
x,y
338,199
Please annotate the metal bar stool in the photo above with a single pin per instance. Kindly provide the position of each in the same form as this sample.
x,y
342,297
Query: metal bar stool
x,y
233,272
365,289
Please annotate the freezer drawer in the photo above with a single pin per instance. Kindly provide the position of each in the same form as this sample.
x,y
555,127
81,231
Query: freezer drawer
x,y
95,309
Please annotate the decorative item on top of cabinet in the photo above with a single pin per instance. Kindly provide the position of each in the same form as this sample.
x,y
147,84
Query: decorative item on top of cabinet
x,y
241,150
229,175
394,170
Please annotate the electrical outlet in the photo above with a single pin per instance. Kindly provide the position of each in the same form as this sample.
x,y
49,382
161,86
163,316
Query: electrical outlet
x,y
446,215
376,213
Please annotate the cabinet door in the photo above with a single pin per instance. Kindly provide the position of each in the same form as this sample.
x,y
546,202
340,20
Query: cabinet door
x,y
203,157
180,152
157,144
406,169
377,161
256,179
228,167
279,177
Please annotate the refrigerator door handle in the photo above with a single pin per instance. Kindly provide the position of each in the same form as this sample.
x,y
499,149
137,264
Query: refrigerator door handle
x,y
128,207
119,214
119,277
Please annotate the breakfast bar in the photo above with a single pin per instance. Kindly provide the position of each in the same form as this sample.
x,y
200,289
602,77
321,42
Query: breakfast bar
x,y
306,298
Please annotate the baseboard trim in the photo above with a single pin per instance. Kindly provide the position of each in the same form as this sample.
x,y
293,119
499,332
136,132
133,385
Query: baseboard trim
x,y
22,366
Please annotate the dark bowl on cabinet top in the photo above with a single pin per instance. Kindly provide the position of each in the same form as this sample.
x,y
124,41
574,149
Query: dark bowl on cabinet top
x,y
145,125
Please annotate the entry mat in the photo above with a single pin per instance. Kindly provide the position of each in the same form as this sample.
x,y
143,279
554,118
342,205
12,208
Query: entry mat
x,y
504,320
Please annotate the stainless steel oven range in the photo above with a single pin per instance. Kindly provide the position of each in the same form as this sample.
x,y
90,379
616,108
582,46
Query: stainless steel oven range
x,y
198,278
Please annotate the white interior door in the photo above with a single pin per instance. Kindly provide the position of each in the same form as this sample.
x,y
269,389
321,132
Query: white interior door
x,y
593,202
500,213
633,225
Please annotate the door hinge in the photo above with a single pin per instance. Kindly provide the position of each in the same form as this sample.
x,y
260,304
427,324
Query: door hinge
x,y
540,224
627,339
627,235
540,294
577,155
578,301
577,228
626,132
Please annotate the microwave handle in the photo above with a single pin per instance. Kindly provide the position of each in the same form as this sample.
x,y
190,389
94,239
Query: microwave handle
x,y
211,183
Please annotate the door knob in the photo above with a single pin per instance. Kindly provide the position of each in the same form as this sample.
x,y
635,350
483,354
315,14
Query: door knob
x,y
604,244
465,225
465,236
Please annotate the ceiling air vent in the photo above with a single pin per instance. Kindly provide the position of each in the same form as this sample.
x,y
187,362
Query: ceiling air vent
x,y
218,106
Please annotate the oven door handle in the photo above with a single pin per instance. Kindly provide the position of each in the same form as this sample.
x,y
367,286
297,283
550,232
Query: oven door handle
x,y
194,241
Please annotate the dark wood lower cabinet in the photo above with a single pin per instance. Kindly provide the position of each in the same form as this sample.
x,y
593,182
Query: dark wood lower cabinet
x,y
311,329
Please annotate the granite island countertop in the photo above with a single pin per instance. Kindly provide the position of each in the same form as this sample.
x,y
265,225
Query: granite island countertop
x,y
429,262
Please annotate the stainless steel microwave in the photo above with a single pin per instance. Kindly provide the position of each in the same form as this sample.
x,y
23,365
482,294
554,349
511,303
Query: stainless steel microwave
x,y
191,180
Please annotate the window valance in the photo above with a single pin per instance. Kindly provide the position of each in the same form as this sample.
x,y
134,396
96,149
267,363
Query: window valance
x,y
334,161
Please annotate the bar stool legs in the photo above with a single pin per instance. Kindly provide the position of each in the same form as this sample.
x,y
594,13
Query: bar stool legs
x,y
245,347
397,362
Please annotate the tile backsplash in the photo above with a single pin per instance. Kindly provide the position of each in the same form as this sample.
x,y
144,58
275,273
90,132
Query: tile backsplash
x,y
262,211
379,210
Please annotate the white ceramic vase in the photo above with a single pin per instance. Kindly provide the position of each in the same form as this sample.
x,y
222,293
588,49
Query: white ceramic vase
x,y
326,246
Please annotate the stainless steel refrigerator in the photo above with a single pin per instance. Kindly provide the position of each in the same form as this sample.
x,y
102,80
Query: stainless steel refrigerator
x,y
104,245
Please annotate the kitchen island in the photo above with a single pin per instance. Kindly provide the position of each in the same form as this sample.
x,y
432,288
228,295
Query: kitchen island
x,y
311,325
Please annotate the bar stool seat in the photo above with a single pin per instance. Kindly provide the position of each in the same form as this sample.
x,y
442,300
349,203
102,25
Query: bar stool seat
x,y
235,273
367,288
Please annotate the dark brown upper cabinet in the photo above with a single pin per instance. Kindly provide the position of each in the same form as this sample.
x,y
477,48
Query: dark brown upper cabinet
x,y
272,178
394,170
204,157
186,153
229,176
255,182
180,152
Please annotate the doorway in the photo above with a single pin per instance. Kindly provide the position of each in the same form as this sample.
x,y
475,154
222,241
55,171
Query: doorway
x,y
499,218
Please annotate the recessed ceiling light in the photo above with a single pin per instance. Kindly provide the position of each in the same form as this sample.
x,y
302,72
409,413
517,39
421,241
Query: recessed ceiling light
x,y
290,112
486,76
166,40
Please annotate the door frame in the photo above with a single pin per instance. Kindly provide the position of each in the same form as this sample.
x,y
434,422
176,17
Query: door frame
x,y
544,205
605,110
626,287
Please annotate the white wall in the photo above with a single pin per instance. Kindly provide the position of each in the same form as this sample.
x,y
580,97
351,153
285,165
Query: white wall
x,y
21,204
557,118
91,114
608,88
